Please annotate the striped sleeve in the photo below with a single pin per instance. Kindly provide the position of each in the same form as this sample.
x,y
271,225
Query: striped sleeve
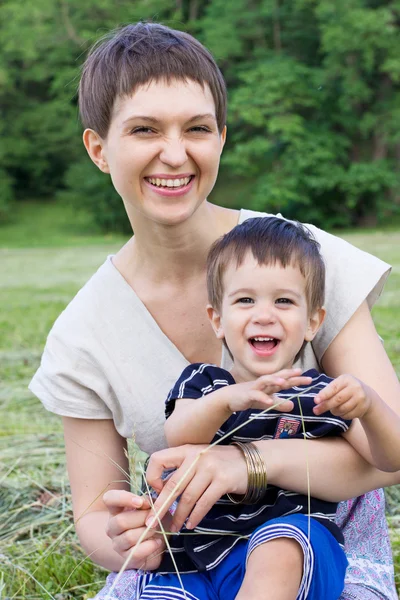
x,y
197,380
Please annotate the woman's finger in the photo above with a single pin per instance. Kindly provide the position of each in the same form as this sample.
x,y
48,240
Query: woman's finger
x,y
210,496
126,520
119,500
170,458
129,538
146,550
192,496
173,487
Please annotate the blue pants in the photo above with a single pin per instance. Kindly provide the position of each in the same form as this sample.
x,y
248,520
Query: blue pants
x,y
324,566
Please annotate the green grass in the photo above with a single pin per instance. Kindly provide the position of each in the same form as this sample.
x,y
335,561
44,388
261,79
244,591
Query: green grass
x,y
49,225
43,262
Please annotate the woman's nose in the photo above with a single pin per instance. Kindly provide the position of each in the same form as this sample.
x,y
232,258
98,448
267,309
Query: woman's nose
x,y
174,153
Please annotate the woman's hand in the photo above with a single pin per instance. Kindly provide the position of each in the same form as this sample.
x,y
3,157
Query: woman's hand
x,y
128,514
205,478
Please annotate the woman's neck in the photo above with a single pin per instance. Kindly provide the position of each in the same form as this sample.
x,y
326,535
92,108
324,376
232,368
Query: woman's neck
x,y
174,253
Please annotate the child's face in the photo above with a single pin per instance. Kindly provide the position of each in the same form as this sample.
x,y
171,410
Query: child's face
x,y
162,132
264,317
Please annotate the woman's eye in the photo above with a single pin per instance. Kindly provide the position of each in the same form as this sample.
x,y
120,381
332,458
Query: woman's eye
x,y
142,130
200,129
284,301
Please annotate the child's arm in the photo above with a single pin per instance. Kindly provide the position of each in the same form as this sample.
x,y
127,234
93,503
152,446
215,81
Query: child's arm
x,y
197,421
350,398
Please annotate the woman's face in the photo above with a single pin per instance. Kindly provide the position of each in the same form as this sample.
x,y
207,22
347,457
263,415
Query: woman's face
x,y
163,150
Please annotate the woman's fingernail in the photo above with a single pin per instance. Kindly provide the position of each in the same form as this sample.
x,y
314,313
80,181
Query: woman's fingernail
x,y
158,541
138,502
189,525
150,522
173,529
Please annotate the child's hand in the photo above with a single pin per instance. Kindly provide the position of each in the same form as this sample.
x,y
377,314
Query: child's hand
x,y
346,397
257,394
127,522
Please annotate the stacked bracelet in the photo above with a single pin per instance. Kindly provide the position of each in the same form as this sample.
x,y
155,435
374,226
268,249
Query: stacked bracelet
x,y
256,473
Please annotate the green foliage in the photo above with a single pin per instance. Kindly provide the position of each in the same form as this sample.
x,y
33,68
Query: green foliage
x,y
314,116
86,185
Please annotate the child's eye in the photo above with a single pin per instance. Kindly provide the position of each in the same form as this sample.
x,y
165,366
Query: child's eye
x,y
284,301
245,300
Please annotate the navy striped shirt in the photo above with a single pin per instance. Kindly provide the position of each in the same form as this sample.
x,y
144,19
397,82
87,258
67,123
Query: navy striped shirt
x,y
218,532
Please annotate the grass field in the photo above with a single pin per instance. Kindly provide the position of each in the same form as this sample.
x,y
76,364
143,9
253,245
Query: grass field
x,y
39,554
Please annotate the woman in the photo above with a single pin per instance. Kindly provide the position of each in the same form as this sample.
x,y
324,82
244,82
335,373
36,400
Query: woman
x,y
153,104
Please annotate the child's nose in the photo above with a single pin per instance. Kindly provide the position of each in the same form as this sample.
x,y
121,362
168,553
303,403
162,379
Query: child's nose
x,y
264,315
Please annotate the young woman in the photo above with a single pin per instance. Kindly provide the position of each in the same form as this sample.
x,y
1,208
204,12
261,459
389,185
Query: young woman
x,y
153,105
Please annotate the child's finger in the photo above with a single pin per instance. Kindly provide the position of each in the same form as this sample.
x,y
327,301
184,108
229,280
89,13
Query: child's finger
x,y
331,390
286,373
297,381
334,403
284,405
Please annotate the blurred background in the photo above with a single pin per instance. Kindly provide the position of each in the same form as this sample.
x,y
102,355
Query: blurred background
x,y
313,132
314,104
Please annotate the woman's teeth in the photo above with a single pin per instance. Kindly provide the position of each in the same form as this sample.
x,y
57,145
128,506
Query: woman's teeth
x,y
170,183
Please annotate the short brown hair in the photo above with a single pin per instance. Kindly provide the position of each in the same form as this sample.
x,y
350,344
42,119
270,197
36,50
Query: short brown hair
x,y
271,240
138,54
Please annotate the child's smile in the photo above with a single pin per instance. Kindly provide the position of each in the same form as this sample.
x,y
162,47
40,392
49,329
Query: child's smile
x,y
264,346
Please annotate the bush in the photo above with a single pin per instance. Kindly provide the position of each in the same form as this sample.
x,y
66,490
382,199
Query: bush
x,y
89,188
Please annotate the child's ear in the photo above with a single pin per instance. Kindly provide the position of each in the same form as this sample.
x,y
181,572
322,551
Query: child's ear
x,y
314,323
95,148
215,320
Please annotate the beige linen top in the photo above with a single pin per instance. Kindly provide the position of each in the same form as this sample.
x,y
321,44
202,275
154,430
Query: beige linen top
x,y
107,358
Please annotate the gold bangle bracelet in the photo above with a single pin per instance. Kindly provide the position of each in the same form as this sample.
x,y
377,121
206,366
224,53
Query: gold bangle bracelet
x,y
256,473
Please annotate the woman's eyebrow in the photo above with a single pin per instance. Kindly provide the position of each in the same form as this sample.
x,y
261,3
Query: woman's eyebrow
x,y
141,117
202,116
154,120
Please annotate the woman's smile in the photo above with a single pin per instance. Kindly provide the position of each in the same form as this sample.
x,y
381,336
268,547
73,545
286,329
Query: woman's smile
x,y
170,185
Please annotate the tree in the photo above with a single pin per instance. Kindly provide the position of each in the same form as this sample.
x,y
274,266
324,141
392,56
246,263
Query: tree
x,y
314,114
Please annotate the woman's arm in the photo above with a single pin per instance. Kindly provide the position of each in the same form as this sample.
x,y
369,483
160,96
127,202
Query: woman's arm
x,y
107,529
337,472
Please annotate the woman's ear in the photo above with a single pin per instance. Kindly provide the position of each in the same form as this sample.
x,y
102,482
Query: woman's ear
x,y
94,145
314,323
223,138
215,320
